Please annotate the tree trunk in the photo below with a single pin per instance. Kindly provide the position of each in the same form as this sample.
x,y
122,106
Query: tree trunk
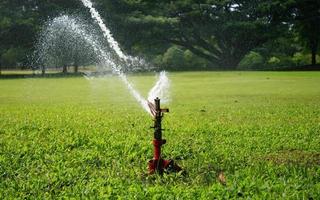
x,y
314,46
229,63
314,57
43,70
76,68
64,70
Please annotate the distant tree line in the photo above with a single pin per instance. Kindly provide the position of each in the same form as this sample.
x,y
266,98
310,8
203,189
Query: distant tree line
x,y
181,34
20,25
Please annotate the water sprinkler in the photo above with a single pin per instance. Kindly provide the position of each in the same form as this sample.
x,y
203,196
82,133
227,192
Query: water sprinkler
x,y
158,164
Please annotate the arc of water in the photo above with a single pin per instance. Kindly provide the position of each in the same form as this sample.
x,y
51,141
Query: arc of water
x,y
106,32
163,80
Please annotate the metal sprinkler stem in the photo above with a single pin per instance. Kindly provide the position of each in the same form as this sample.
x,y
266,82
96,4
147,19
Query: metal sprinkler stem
x,y
157,164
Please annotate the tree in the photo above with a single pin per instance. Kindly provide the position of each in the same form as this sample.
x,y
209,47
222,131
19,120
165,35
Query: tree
x,y
219,31
68,41
304,17
17,29
20,22
307,16
222,32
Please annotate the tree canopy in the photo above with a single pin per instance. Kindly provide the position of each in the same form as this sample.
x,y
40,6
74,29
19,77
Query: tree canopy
x,y
171,34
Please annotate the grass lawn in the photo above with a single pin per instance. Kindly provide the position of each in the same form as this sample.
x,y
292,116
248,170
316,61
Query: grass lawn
x,y
73,137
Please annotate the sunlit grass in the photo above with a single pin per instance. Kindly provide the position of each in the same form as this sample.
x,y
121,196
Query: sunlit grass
x,y
74,137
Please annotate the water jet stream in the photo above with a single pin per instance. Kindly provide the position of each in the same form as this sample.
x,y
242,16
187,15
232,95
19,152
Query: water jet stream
x,y
162,84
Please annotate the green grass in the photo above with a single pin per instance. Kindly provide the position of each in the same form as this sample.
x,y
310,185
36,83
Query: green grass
x,y
48,71
16,72
63,138
26,72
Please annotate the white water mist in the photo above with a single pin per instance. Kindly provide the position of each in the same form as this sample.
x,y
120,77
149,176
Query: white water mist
x,y
160,89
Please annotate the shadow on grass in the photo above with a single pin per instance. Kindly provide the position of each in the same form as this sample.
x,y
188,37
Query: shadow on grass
x,y
296,157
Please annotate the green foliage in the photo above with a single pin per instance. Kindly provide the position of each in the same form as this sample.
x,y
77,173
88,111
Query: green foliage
x,y
75,139
192,60
308,23
176,58
304,18
253,60
286,61
173,58
20,22
300,59
274,61
287,45
221,33
12,56
281,62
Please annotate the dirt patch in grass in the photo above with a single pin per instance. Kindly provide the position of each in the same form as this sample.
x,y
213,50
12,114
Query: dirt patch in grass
x,y
294,157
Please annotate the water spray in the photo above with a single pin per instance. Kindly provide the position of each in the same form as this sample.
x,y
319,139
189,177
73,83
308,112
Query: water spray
x,y
158,164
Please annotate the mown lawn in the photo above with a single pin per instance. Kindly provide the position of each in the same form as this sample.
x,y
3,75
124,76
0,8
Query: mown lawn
x,y
73,137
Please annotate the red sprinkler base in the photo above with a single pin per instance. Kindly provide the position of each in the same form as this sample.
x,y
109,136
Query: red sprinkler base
x,y
157,164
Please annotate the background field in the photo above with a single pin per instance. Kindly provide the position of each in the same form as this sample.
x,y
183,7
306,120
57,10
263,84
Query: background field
x,y
73,137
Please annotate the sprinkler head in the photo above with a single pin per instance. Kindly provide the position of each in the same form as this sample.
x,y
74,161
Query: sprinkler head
x,y
158,164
